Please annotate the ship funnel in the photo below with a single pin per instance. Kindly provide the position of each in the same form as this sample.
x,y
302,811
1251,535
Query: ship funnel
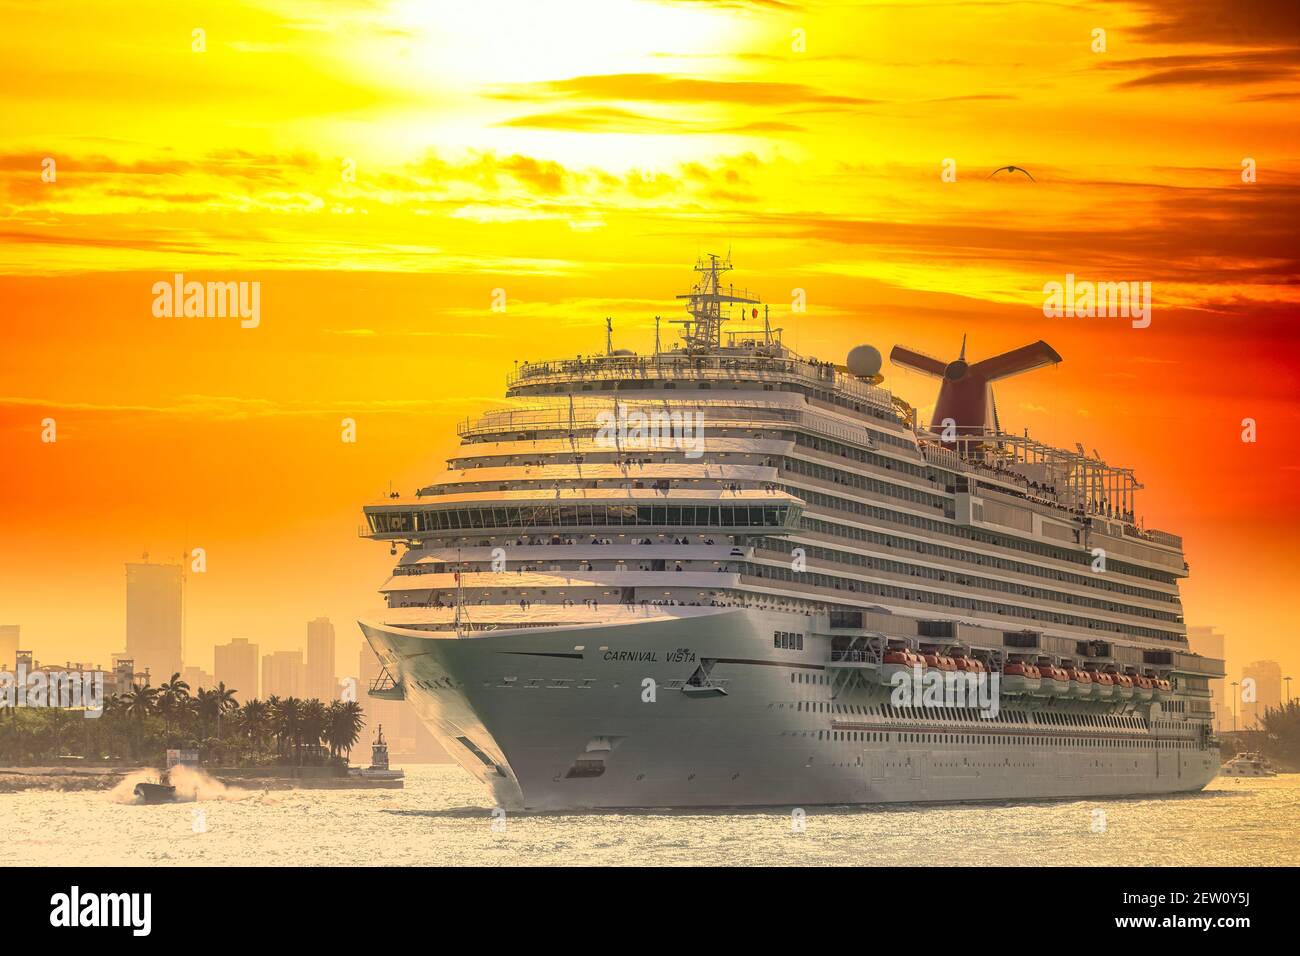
x,y
966,395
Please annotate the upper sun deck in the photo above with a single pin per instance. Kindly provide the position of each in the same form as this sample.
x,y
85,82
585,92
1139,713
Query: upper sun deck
x,y
740,364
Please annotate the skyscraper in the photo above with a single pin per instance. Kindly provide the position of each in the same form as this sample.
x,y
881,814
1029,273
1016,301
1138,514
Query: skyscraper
x,y
321,679
283,674
1208,642
197,677
153,619
1267,676
8,646
235,665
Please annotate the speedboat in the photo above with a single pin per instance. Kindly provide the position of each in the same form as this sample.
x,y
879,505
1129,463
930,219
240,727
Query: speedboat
x,y
155,792
1247,765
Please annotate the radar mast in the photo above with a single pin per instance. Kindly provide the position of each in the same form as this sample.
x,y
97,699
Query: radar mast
x,y
703,331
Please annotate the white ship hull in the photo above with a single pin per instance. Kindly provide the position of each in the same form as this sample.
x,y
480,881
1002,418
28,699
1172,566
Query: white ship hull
x,y
556,719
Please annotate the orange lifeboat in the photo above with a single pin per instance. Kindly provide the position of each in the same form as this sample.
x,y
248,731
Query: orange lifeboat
x,y
1019,677
896,660
1163,689
1102,685
1080,683
1123,685
1143,687
1055,681
941,662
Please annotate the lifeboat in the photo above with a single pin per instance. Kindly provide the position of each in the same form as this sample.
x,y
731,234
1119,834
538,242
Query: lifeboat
x,y
1102,685
941,662
1080,683
896,660
1020,678
969,664
1123,686
1143,687
1055,681
1163,689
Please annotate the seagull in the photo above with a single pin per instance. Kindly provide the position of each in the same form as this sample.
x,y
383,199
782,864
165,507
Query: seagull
x,y
1011,169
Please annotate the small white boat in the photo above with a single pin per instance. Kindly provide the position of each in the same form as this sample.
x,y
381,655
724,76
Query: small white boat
x,y
1247,765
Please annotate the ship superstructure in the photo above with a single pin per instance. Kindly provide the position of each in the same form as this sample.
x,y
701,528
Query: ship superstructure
x,y
691,578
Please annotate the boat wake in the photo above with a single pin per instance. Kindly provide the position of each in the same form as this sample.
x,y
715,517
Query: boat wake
x,y
191,784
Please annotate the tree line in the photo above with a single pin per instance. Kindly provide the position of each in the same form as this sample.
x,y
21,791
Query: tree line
x,y
145,722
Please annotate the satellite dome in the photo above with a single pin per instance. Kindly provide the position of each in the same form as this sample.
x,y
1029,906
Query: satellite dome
x,y
864,361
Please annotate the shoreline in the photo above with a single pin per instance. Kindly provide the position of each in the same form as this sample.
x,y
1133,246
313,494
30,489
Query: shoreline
x,y
74,779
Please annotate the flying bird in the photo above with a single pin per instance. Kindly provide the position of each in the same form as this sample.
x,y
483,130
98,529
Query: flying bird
x,y
1011,169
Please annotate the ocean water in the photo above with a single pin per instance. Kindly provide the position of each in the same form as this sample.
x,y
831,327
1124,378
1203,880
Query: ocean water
x,y
443,817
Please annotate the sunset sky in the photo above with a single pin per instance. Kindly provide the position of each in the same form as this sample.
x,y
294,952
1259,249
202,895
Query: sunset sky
x,y
381,167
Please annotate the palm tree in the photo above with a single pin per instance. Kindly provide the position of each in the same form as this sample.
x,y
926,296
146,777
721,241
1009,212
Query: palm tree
x,y
170,695
141,701
313,724
138,703
224,699
288,720
345,720
207,707
254,718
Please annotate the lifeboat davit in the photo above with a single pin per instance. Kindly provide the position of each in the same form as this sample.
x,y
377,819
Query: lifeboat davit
x,y
1123,686
1102,685
1020,678
1143,687
1055,681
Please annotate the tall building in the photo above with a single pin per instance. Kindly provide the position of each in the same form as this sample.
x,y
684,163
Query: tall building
x,y
124,676
8,646
1208,642
197,677
283,674
1267,676
322,682
235,665
153,618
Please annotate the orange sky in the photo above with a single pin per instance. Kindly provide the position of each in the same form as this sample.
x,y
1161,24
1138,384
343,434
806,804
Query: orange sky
x,y
579,156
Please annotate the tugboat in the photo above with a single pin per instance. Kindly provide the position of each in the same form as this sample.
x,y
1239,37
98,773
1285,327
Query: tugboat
x,y
1247,765
378,769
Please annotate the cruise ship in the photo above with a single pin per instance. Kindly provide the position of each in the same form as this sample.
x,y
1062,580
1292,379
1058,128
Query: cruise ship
x,y
711,575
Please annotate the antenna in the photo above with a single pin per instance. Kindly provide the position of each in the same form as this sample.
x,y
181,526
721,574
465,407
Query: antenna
x,y
656,335
705,300
609,336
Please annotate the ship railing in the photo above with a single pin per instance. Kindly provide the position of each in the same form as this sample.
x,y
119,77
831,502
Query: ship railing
x,y
506,421
855,656
1151,534
677,365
